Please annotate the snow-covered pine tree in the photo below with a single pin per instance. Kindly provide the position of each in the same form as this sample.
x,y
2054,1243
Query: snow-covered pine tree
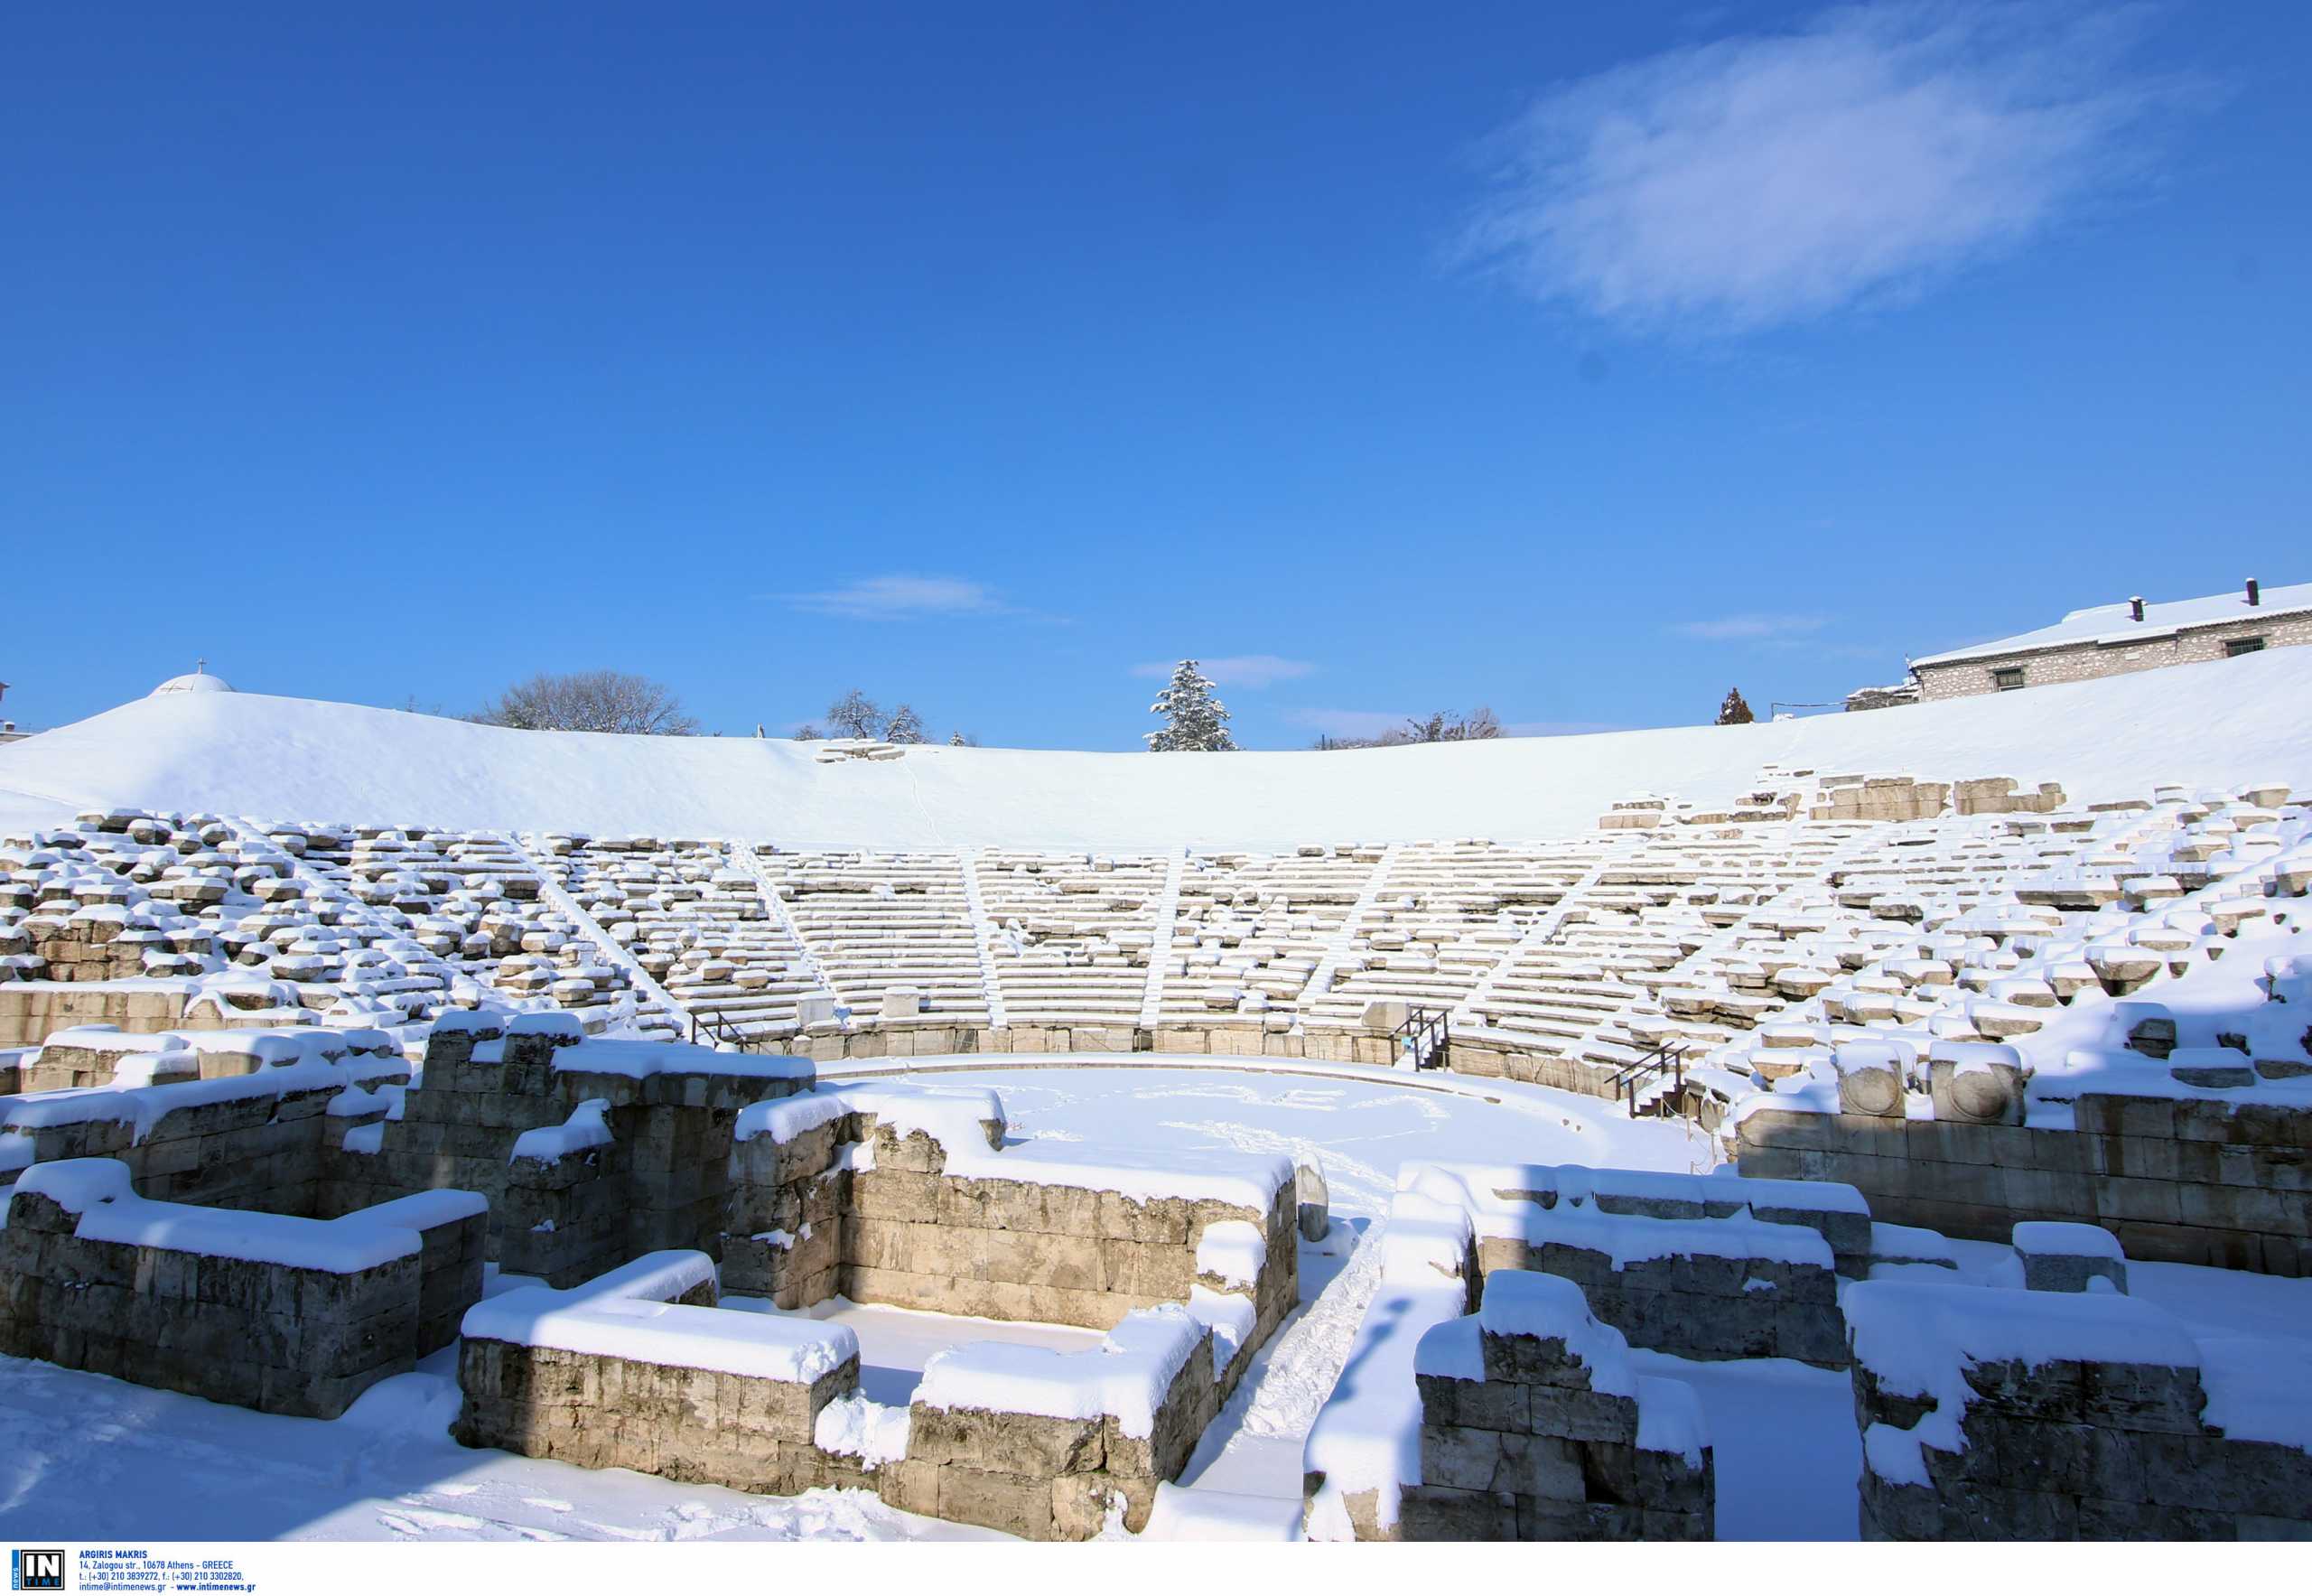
x,y
955,740
1735,711
1195,721
906,725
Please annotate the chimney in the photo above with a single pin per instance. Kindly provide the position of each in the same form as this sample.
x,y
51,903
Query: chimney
x,y
2255,593
2136,604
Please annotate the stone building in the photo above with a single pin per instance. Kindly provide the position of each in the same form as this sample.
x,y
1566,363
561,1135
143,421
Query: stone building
x,y
2111,639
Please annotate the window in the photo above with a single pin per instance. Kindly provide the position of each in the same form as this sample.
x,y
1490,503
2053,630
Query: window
x,y
2235,647
2006,677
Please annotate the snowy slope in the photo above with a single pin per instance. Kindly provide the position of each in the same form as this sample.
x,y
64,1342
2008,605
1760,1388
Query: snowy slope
x,y
2230,722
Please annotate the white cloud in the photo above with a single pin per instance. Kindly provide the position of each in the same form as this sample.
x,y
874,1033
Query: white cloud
x,y
1349,723
1769,178
901,598
1250,671
1750,629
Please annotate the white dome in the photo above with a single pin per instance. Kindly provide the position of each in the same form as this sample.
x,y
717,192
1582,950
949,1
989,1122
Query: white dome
x,y
198,681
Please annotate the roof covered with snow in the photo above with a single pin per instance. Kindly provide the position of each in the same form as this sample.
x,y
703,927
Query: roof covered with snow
x,y
194,681
2112,624
246,753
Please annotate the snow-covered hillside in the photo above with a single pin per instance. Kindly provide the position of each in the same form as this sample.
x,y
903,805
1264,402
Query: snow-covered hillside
x,y
2234,722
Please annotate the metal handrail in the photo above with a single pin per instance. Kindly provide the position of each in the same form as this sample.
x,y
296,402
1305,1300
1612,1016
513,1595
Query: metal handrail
x,y
1669,1056
1427,1034
720,1033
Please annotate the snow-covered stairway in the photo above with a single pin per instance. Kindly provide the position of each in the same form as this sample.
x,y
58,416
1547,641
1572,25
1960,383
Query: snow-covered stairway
x,y
1343,941
1612,1040
654,996
984,933
1162,923
744,854
1543,928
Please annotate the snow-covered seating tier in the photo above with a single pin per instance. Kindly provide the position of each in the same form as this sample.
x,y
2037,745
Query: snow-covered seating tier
x,y
694,917
203,920
2123,1039
1993,1414
274,1311
881,927
1738,939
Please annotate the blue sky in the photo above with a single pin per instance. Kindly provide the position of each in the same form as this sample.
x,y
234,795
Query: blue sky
x,y
1393,357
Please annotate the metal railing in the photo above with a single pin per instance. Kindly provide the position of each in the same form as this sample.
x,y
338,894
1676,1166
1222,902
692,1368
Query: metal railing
x,y
1631,1079
711,1030
1427,1035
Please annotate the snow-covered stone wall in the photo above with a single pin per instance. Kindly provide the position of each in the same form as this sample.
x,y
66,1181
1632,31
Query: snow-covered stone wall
x,y
1535,1427
267,1310
1995,1413
904,1195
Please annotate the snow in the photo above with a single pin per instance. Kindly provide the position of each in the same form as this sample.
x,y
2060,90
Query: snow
x,y
586,1128
1918,1340
2047,1238
1232,1251
1229,1316
422,1211
145,1107
2245,1400
98,1190
99,1460
674,1334
1629,1239
1127,1378
854,1427
896,1344
955,1116
640,1060
657,1277
1914,1337
1182,1514
2115,624
1520,1302
248,753
1670,1418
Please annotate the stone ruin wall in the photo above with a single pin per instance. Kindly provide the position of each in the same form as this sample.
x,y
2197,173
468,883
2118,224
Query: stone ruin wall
x,y
302,1340
1530,1431
1028,1474
2177,1179
801,1228
2095,1423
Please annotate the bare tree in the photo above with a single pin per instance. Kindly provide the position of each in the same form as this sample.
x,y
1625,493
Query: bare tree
x,y
807,733
854,715
590,701
1480,725
904,727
